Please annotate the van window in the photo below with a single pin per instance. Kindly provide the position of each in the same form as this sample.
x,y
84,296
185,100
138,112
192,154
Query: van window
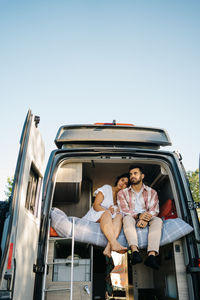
x,y
32,191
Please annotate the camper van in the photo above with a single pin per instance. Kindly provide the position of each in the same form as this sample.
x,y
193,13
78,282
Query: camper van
x,y
38,265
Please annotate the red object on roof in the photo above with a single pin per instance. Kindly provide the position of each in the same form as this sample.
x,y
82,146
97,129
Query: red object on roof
x,y
118,124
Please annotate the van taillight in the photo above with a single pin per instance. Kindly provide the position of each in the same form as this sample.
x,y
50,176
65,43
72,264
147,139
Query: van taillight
x,y
10,257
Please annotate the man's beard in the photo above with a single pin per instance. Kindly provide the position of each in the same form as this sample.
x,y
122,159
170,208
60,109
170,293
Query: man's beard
x,y
136,182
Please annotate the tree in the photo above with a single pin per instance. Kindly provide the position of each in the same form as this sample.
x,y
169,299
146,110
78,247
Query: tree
x,y
9,187
193,177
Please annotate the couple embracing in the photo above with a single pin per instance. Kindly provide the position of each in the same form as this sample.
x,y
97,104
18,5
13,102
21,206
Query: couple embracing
x,y
134,205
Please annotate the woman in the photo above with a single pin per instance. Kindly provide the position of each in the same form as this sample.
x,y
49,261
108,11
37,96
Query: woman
x,y
106,212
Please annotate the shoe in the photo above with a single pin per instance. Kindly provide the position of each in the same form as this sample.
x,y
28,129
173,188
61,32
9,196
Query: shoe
x,y
136,258
151,262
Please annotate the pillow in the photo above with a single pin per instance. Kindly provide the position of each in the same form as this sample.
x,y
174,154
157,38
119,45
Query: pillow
x,y
168,210
60,222
90,232
174,229
53,233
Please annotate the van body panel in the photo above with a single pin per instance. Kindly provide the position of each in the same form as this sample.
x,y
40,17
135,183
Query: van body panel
x,y
23,229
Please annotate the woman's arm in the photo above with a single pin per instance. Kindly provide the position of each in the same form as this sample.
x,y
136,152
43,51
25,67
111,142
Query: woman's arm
x,y
97,203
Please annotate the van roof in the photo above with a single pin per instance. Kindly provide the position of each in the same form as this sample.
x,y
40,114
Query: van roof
x,y
111,134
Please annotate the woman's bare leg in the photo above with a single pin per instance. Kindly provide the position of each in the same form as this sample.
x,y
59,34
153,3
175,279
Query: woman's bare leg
x,y
108,228
117,225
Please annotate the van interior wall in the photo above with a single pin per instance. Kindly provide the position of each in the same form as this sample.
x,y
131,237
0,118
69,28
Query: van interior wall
x,y
94,175
75,201
164,190
156,284
165,278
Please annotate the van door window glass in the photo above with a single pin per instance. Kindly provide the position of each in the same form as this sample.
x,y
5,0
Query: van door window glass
x,y
32,191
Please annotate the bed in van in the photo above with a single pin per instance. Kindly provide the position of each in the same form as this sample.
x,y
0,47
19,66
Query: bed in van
x,y
38,265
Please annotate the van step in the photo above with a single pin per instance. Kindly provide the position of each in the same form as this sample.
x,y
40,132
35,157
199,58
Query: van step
x,y
64,262
58,289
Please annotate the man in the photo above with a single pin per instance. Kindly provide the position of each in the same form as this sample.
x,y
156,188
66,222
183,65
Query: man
x,y
140,206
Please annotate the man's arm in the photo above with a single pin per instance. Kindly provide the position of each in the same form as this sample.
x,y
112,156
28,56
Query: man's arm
x,y
152,210
153,205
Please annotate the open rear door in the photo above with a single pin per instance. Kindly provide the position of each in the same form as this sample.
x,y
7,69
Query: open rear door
x,y
21,228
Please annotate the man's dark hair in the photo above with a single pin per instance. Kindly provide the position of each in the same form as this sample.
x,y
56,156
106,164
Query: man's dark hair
x,y
136,167
121,176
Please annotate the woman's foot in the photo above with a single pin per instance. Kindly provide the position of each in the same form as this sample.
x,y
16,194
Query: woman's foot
x,y
107,250
117,247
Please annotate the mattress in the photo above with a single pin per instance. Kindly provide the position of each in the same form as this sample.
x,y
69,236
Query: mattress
x,y
89,232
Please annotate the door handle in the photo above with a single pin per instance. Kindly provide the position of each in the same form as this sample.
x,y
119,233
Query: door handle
x,y
86,289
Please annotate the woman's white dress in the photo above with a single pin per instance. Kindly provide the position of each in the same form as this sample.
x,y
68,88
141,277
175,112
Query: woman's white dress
x,y
106,190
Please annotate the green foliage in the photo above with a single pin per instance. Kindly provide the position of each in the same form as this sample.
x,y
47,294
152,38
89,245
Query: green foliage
x,y
9,188
193,177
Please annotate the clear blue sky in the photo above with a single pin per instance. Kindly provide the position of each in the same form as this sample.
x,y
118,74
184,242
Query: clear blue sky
x,y
87,61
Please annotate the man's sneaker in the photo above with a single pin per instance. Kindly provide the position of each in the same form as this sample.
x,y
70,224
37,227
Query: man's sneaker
x,y
151,262
135,258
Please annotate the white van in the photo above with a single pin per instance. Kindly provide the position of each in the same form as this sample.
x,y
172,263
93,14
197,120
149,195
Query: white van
x,y
38,266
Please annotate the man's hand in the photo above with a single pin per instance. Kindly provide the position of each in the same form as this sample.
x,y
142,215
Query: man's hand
x,y
145,216
114,209
142,223
111,209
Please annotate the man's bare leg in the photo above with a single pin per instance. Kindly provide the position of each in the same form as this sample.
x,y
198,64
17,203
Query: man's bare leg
x,y
117,225
152,253
134,248
106,225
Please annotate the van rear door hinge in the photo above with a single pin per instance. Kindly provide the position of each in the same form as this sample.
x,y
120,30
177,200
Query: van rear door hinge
x,y
8,277
38,269
178,155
